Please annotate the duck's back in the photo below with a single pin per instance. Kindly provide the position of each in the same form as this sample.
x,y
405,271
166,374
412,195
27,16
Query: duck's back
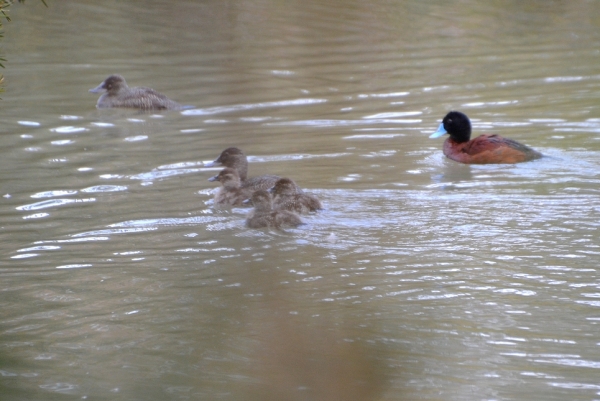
x,y
140,98
286,218
489,149
276,219
299,203
263,182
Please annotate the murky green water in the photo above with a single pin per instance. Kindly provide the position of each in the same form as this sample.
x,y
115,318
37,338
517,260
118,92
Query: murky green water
x,y
423,279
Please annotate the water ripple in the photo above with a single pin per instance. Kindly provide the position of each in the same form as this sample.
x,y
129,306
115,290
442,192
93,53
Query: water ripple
x,y
344,123
158,174
108,232
394,114
53,203
169,221
29,123
253,106
68,130
105,188
40,248
295,156
50,194
74,266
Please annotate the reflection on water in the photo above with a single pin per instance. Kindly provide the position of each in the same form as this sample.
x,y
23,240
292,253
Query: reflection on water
x,y
422,278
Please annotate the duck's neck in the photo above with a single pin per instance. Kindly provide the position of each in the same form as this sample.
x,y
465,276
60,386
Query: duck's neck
x,y
242,170
232,184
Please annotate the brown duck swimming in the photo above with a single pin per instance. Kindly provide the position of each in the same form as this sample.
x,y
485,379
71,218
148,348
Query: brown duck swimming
x,y
263,214
116,93
287,197
236,159
230,193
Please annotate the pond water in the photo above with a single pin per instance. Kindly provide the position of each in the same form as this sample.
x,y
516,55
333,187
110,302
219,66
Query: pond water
x,y
422,279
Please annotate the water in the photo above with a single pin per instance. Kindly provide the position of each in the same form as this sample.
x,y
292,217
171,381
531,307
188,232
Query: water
x,y
423,279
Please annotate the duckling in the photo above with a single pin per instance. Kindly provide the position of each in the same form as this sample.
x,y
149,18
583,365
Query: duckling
x,y
263,214
230,193
234,158
287,197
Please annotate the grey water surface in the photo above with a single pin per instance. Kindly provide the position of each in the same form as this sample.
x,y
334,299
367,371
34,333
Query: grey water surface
x,y
422,279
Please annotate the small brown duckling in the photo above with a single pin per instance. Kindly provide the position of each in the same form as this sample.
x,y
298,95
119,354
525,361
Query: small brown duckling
x,y
236,159
116,93
230,193
263,214
287,197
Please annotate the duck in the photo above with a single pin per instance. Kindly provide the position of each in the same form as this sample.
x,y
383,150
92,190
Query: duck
x,y
485,149
234,158
286,197
230,193
116,93
263,214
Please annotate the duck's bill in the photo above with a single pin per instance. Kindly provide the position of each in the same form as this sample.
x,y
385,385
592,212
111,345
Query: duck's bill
x,y
214,178
98,89
212,164
440,132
